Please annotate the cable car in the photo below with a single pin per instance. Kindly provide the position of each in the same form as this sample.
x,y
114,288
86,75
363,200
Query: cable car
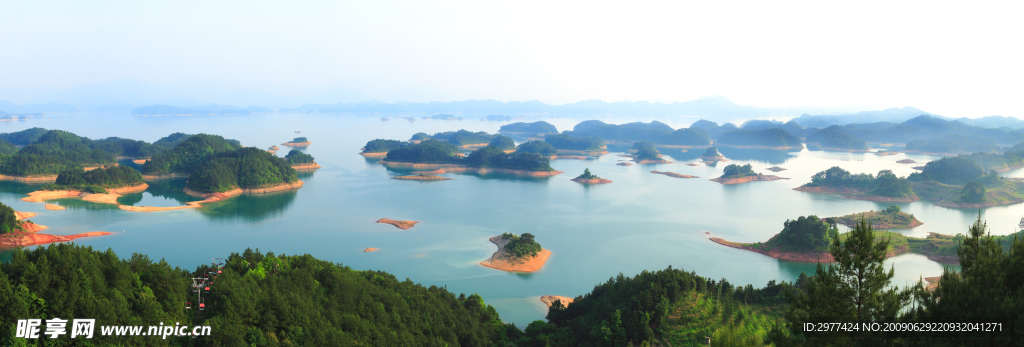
x,y
207,289
202,306
188,305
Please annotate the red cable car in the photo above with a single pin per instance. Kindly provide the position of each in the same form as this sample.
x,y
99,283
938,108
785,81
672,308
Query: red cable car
x,y
207,289
202,306
188,305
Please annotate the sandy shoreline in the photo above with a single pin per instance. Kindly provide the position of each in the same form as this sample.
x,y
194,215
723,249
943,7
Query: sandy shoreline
x,y
163,176
500,261
23,239
23,215
374,154
306,166
401,224
808,257
53,207
591,181
369,250
672,174
550,300
740,180
109,198
297,144
463,168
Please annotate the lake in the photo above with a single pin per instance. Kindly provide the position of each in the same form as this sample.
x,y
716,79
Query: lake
x,y
642,221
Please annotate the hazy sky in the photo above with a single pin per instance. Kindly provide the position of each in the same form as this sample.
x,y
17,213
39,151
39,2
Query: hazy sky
x,y
962,59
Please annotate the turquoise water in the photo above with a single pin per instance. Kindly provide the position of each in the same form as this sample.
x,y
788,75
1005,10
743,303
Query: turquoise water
x,y
640,222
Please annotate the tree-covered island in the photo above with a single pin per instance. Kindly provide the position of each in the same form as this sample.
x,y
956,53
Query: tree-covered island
x,y
646,153
773,138
247,169
589,178
52,153
834,138
886,186
891,217
298,142
576,145
517,253
711,154
535,128
438,154
301,161
382,146
98,180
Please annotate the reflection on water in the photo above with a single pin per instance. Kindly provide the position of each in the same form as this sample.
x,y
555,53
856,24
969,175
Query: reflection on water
x,y
79,204
161,193
16,190
249,208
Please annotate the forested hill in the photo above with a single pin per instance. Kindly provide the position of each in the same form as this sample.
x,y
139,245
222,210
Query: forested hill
x,y
52,153
655,132
538,127
834,137
773,137
258,300
187,155
244,168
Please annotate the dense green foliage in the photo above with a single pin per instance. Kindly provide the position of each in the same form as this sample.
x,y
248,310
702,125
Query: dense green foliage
x,y
299,140
885,184
974,192
420,136
713,129
954,144
833,137
126,147
711,152
655,131
188,155
244,168
804,234
736,171
503,142
538,127
7,148
774,137
258,300
854,289
24,137
112,176
539,147
950,170
523,246
563,141
53,153
587,175
170,141
494,157
892,216
380,145
428,151
463,137
8,221
686,137
298,157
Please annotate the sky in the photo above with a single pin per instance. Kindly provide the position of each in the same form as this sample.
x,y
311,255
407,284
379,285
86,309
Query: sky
x,y
955,59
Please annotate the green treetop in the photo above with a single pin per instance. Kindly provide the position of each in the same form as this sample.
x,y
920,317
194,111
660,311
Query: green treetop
x,y
587,175
711,152
8,221
298,157
299,140
522,246
736,171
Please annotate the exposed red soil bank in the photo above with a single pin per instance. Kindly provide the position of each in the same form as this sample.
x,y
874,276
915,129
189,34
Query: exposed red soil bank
x,y
673,174
25,239
591,181
748,179
501,261
401,224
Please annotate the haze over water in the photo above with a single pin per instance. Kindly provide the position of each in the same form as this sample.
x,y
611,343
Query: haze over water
x,y
640,222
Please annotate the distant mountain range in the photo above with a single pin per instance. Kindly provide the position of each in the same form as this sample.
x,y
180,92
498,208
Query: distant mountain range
x,y
211,109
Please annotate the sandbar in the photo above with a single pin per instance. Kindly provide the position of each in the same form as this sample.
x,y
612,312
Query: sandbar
x,y
673,174
22,239
30,227
23,215
306,166
739,180
887,153
624,164
54,207
591,181
906,161
775,169
422,177
274,148
855,194
550,300
297,144
140,161
369,250
500,260
401,224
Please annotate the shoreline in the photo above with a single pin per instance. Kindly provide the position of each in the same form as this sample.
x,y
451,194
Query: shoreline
x,y
672,174
23,215
109,198
854,194
499,261
306,166
166,176
401,224
297,144
463,168
591,180
422,177
21,239
805,257
374,154
758,147
740,180
550,300
30,178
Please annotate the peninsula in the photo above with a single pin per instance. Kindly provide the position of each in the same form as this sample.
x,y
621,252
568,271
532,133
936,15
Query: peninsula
x,y
379,148
890,218
301,161
589,178
735,174
673,174
886,187
434,154
517,253
16,233
550,300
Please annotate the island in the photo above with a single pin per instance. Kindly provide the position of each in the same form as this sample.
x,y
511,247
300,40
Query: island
x,y
517,253
401,224
886,187
807,239
435,154
711,154
369,250
775,169
536,128
655,132
465,139
550,300
647,154
379,148
298,142
891,218
624,164
673,174
53,152
17,233
103,185
589,178
773,138
735,174
906,161
833,138
301,161
589,146
242,171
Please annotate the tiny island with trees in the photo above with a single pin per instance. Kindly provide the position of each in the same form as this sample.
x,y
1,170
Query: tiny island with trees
x,y
646,153
891,217
737,174
437,154
885,187
517,253
589,178
300,142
